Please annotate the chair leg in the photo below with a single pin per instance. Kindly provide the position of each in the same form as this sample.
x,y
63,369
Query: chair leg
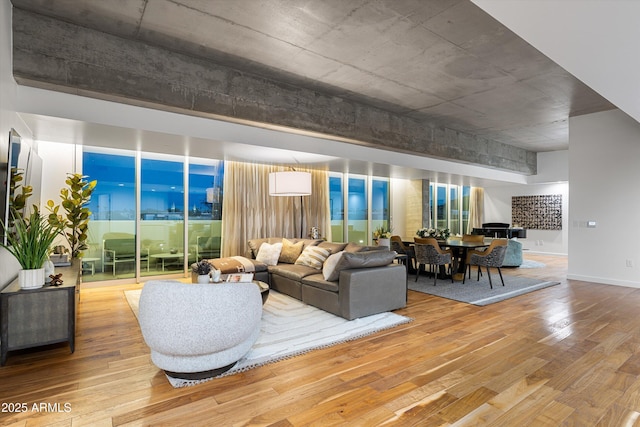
x,y
489,274
435,274
464,276
418,271
478,274
501,279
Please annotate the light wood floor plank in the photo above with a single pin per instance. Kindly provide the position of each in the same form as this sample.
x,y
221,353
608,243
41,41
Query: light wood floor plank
x,y
566,355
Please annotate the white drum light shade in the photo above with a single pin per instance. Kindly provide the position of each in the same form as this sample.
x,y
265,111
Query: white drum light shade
x,y
289,183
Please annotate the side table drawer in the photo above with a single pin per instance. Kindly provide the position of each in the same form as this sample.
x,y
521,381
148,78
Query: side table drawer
x,y
38,318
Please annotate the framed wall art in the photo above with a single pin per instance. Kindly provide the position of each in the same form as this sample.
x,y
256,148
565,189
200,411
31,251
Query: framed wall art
x,y
543,212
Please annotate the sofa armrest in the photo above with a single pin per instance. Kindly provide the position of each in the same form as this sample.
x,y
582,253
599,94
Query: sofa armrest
x,y
367,291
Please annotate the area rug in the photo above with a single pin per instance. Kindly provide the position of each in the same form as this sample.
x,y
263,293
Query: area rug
x,y
290,328
478,292
527,263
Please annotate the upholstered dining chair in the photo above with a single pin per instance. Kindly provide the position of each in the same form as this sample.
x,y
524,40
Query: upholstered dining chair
x,y
493,256
398,245
428,252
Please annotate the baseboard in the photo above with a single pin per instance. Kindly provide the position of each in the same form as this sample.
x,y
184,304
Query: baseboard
x,y
604,281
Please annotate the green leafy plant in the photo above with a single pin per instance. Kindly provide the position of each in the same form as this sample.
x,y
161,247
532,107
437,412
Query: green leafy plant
x,y
18,193
201,267
30,238
382,232
75,222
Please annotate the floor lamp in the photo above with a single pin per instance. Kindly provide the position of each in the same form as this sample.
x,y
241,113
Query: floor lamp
x,y
291,184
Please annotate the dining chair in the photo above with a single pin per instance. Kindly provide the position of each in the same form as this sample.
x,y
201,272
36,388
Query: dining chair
x,y
398,245
493,256
428,252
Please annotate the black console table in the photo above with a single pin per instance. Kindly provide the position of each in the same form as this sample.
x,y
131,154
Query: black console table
x,y
35,317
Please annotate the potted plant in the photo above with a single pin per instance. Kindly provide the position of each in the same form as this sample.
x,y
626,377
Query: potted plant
x,y
382,235
434,232
202,269
75,222
29,241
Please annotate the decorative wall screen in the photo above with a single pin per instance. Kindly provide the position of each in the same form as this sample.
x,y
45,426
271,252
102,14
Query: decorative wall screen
x,y
537,212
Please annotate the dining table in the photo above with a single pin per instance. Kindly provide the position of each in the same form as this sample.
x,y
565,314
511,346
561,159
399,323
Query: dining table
x,y
460,248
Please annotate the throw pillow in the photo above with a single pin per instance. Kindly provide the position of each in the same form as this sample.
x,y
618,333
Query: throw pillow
x,y
330,265
350,260
313,256
269,254
290,251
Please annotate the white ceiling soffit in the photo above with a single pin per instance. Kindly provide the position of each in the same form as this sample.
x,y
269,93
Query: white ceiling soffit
x,y
598,41
62,117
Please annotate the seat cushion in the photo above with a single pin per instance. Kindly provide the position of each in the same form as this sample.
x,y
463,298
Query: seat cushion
x,y
292,271
366,259
317,280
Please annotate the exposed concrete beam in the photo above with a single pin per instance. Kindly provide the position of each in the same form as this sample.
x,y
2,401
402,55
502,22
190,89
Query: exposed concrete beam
x,y
57,55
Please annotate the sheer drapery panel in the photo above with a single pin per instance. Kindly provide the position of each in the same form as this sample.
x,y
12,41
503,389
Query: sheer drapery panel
x,y
249,212
476,208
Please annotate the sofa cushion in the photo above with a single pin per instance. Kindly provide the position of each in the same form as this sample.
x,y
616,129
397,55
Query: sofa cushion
x,y
269,254
366,259
333,247
352,247
292,271
318,281
290,251
329,265
313,256
254,245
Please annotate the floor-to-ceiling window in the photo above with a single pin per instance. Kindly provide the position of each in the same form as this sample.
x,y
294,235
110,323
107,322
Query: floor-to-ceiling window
x,y
205,208
336,206
365,207
162,214
449,206
380,215
112,229
152,223
357,210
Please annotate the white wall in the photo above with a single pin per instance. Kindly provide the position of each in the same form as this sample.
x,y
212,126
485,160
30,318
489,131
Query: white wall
x,y
553,172
604,176
497,207
8,119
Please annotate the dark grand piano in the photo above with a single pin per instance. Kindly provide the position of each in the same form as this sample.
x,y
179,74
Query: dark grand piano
x,y
500,230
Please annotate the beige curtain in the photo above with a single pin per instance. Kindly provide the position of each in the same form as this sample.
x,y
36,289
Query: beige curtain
x,y
249,212
476,208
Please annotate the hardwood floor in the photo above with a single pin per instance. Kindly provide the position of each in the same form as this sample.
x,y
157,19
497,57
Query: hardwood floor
x,y
565,355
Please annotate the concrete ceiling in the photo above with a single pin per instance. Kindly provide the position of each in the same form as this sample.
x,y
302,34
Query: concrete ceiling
x,y
446,63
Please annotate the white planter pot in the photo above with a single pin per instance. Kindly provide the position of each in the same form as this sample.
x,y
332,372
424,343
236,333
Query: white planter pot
x,y
384,242
31,279
203,278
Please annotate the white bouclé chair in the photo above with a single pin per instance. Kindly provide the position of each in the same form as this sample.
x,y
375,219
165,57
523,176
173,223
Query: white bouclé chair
x,y
199,330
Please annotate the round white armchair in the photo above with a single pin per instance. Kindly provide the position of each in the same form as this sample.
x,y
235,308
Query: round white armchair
x,y
196,331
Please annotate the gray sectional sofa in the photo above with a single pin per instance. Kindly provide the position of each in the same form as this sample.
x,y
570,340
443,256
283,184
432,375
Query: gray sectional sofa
x,y
361,280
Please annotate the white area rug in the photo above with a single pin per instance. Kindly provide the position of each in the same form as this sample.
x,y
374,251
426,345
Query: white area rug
x,y
291,327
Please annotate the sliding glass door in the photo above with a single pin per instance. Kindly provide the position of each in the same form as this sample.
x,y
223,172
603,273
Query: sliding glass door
x,y
161,215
